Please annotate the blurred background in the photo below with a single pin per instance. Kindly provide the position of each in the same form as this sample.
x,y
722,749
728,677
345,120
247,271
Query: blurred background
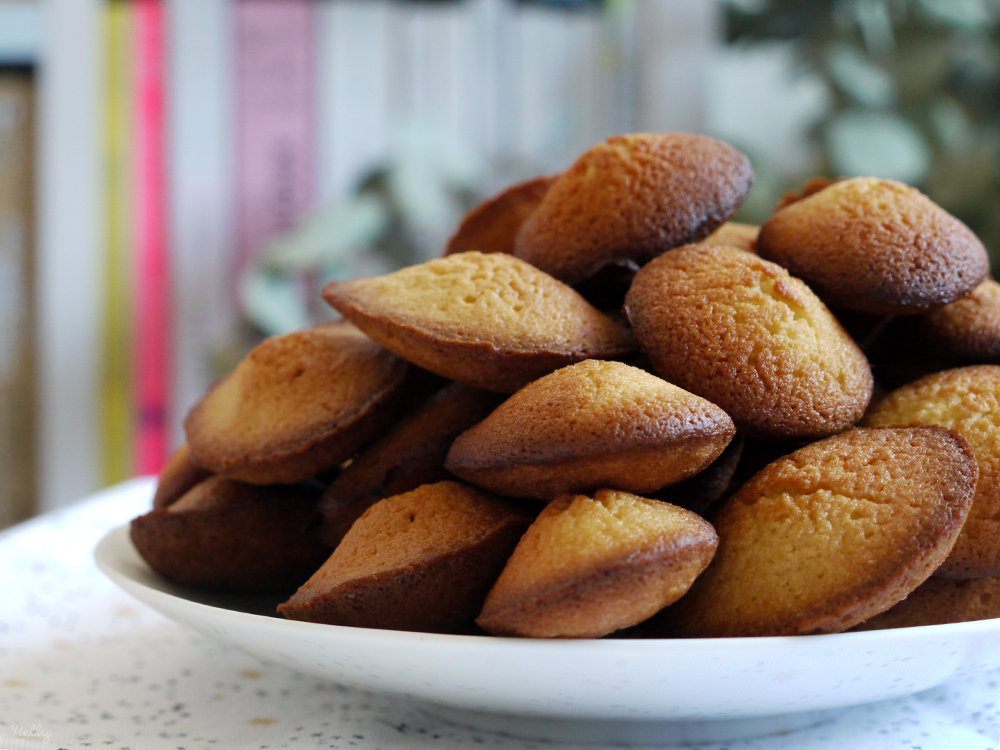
x,y
178,178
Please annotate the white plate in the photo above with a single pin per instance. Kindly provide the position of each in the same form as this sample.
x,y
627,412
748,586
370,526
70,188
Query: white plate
x,y
606,690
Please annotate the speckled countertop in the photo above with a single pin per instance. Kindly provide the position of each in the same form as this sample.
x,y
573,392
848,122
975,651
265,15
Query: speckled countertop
x,y
83,665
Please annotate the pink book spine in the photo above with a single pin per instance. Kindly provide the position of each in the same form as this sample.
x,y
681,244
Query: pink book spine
x,y
153,288
275,43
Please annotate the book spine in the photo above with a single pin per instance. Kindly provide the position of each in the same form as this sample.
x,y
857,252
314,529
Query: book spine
x,y
17,352
153,289
275,42
202,117
116,363
353,91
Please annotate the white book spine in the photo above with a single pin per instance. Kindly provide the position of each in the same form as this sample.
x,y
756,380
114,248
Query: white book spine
x,y
353,76
200,110
69,286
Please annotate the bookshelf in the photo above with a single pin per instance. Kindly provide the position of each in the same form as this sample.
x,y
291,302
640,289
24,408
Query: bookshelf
x,y
681,80
66,40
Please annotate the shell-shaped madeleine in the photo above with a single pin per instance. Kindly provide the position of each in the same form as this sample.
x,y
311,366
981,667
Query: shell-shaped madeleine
x,y
591,425
735,234
423,561
296,406
631,198
487,320
964,332
492,226
810,187
589,566
832,534
967,400
229,536
939,601
179,475
876,246
740,332
409,454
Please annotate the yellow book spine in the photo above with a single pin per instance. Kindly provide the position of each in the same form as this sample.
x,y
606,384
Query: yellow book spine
x,y
117,414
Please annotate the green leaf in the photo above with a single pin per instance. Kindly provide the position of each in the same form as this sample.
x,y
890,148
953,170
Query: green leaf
x,y
858,77
950,124
960,14
273,302
329,237
876,144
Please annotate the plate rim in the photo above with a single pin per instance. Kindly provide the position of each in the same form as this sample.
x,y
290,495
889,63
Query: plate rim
x,y
611,679
119,536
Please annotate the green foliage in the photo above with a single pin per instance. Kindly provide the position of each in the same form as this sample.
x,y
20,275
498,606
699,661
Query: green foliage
x,y
916,91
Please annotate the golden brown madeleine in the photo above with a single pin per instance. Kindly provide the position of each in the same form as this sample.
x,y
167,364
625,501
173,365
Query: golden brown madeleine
x,y
230,536
492,226
739,331
179,475
875,245
810,187
589,566
487,320
423,561
735,234
410,454
966,332
590,425
967,400
832,534
631,198
296,406
939,601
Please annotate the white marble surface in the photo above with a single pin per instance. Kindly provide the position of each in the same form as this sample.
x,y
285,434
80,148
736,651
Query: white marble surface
x,y
82,665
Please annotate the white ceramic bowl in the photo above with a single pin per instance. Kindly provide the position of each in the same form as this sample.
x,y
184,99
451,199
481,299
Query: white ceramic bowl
x,y
620,690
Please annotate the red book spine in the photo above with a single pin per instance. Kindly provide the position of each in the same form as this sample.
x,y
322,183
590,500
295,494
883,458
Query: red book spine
x,y
153,288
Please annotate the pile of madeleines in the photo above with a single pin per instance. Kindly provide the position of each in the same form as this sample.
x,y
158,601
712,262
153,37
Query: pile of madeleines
x,y
606,409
